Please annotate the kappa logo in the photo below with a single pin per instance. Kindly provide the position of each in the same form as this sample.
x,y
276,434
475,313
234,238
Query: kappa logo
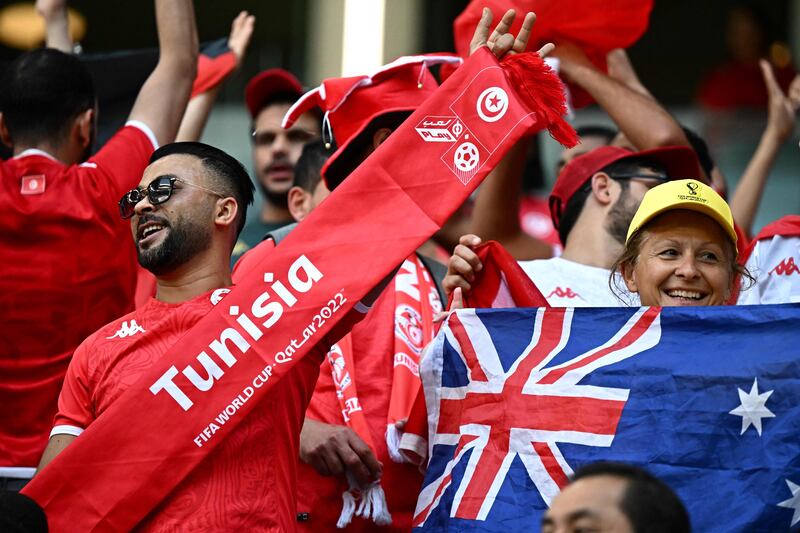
x,y
787,267
492,104
127,330
564,293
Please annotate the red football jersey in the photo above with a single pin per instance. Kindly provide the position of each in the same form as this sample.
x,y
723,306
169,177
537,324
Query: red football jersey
x,y
248,482
69,266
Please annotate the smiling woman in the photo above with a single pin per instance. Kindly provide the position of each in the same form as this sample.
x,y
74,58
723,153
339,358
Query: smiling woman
x,y
680,248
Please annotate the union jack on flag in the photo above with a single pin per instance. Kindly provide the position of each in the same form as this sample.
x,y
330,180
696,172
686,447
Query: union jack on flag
x,y
707,399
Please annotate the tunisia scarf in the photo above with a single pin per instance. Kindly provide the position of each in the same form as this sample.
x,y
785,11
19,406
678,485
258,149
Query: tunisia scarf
x,y
296,295
415,302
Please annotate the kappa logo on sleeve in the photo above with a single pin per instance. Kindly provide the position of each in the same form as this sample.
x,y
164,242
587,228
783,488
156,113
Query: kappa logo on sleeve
x,y
127,330
787,267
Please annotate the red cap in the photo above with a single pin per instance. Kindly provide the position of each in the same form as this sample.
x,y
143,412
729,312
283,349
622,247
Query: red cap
x,y
267,84
680,162
350,104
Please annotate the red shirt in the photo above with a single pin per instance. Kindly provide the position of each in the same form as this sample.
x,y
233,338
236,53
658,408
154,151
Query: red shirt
x,y
248,482
69,266
321,496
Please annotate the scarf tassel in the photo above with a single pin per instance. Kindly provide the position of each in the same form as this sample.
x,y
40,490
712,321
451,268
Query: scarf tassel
x,y
372,505
393,437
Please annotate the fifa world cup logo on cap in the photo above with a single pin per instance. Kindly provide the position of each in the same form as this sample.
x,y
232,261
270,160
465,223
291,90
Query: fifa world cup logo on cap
x,y
692,186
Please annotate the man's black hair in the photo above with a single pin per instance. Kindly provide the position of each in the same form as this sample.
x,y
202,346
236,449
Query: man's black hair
x,y
700,148
597,130
307,170
648,503
228,174
41,92
575,204
353,155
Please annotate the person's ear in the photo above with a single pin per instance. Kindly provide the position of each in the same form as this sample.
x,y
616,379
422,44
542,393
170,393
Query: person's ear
x,y
83,128
379,136
299,202
601,188
629,276
226,210
5,136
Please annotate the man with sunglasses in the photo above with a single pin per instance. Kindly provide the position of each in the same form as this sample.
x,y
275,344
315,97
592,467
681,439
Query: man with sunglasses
x,y
185,217
68,267
591,205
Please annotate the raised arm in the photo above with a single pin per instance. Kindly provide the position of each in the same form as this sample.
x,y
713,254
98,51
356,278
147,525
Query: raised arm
x,y
780,125
56,24
163,97
496,212
199,108
639,116
495,215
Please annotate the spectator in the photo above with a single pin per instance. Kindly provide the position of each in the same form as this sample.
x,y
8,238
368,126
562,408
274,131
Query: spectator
x,y
680,248
616,498
68,267
275,150
592,204
185,218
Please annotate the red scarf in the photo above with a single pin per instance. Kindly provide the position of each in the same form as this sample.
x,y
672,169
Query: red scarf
x,y
416,301
501,283
274,316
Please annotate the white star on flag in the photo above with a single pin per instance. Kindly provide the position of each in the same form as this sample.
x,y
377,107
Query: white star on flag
x,y
753,408
793,503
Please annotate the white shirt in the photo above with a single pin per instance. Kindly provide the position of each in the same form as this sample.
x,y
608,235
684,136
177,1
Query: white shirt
x,y
566,283
775,263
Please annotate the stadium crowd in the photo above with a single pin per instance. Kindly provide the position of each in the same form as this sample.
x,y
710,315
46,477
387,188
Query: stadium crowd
x,y
111,257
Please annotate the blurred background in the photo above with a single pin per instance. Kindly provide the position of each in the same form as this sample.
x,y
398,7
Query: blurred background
x,y
678,59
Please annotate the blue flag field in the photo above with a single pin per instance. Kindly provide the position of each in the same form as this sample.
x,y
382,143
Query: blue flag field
x,y
707,399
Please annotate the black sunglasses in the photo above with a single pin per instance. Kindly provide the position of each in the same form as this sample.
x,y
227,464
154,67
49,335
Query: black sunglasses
x,y
158,191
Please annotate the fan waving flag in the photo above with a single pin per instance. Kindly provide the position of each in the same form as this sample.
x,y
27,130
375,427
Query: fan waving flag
x,y
597,26
707,399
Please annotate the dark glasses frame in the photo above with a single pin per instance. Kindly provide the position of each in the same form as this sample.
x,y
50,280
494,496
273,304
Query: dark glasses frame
x,y
157,192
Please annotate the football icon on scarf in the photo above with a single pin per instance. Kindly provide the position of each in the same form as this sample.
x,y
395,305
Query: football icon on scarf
x,y
466,157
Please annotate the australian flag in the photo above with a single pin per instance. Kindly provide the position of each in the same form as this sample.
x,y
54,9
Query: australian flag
x,y
707,399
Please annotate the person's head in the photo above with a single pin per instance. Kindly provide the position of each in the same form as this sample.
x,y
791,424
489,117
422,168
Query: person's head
x,y
309,189
47,98
616,498
607,184
592,136
680,248
360,112
192,198
747,32
268,96
707,163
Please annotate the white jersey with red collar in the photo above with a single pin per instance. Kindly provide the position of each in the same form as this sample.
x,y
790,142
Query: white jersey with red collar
x,y
774,262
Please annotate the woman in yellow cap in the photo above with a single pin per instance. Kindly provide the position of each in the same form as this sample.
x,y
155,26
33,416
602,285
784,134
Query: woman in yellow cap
x,y
681,247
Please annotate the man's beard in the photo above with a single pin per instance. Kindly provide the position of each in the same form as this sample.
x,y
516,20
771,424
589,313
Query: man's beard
x,y
181,244
278,199
620,216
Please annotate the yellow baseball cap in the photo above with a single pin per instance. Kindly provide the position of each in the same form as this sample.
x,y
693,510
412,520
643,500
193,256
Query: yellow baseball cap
x,y
683,194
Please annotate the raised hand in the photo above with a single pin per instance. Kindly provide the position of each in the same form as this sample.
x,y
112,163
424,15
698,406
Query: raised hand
x,y
463,265
500,42
781,109
241,33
